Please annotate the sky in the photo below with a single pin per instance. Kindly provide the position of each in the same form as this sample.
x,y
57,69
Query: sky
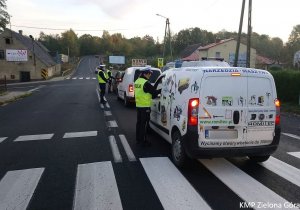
x,y
137,18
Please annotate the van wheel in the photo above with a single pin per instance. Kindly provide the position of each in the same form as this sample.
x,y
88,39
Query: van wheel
x,y
259,159
178,154
118,98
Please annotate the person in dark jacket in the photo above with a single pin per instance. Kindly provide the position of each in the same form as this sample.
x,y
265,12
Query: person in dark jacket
x,y
144,92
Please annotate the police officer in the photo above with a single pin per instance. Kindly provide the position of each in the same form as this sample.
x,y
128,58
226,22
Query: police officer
x,y
144,92
109,78
102,79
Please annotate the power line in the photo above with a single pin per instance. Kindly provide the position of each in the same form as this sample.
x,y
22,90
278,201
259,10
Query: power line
x,y
64,29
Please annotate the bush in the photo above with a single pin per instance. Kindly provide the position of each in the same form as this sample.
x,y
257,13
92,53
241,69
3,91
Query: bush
x,y
287,85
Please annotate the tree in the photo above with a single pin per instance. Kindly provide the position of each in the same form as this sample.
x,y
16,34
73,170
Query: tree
x,y
293,44
70,45
4,16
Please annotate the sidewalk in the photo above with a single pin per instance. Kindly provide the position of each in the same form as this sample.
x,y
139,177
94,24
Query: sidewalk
x,y
10,96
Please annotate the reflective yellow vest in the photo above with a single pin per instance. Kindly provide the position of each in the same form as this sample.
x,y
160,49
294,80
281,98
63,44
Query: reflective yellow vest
x,y
142,99
107,74
100,80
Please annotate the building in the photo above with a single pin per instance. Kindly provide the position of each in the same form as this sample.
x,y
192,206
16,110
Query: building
x,y
220,49
24,59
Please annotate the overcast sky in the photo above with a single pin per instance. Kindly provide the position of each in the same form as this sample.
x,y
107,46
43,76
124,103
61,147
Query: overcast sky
x,y
131,18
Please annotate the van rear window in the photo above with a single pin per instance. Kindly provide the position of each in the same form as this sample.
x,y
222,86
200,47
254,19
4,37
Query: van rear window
x,y
153,77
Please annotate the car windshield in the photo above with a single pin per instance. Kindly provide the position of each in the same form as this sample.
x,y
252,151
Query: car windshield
x,y
153,77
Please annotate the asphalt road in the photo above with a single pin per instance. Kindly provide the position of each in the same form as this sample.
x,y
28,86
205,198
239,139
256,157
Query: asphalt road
x,y
61,149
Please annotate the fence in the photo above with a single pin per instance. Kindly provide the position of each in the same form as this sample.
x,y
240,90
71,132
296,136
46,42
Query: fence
x,y
3,85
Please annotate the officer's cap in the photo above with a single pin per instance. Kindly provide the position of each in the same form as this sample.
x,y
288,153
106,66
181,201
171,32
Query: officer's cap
x,y
146,70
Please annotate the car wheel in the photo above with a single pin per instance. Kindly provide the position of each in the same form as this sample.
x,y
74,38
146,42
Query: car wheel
x,y
178,154
259,159
126,102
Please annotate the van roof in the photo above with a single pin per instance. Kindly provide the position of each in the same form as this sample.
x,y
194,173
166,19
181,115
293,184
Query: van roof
x,y
204,63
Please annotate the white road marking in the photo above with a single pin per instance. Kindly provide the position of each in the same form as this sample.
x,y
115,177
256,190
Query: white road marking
x,y
249,189
74,78
80,77
112,124
107,105
80,134
35,89
127,148
283,169
97,92
68,78
172,189
2,139
34,137
96,187
107,113
295,154
94,78
87,78
114,149
17,188
291,135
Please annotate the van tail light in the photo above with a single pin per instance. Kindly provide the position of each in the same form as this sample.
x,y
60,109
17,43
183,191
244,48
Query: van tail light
x,y
193,111
277,105
130,88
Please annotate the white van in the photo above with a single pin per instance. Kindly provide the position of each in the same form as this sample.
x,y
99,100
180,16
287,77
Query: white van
x,y
125,89
217,112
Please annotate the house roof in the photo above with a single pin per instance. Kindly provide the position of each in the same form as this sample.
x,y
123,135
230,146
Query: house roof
x,y
40,51
264,60
214,44
189,50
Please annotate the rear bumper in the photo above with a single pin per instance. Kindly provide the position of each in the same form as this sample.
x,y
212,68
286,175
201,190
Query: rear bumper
x,y
130,99
194,151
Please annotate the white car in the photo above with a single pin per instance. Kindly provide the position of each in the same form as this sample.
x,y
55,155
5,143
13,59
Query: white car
x,y
217,112
125,89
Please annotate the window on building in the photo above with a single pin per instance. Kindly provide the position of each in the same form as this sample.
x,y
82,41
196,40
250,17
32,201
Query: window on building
x,y
8,41
218,55
2,55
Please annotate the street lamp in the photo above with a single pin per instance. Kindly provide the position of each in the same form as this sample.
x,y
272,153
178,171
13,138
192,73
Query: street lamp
x,y
32,41
167,30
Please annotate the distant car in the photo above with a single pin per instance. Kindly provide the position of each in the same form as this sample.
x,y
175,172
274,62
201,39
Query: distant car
x,y
118,77
125,89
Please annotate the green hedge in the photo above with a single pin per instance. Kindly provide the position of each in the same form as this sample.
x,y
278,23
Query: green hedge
x,y
287,85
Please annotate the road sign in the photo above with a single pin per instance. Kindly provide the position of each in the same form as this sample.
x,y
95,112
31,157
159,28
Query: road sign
x,y
139,62
160,62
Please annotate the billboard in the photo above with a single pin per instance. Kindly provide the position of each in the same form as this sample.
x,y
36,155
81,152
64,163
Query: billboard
x,y
16,55
241,59
117,59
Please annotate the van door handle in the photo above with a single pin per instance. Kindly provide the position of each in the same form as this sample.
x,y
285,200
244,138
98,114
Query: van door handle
x,y
236,117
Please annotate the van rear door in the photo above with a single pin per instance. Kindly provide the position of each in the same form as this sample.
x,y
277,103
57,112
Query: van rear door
x,y
223,108
262,110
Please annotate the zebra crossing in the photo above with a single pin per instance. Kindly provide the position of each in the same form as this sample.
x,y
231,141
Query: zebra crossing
x,y
80,78
96,185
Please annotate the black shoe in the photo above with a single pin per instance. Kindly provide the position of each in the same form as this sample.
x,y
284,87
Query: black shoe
x,y
146,143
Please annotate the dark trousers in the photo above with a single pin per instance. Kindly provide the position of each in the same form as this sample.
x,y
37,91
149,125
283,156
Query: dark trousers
x,y
143,117
102,92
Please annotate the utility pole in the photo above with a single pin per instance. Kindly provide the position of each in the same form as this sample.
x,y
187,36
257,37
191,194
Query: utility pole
x,y
239,36
32,41
167,33
249,35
